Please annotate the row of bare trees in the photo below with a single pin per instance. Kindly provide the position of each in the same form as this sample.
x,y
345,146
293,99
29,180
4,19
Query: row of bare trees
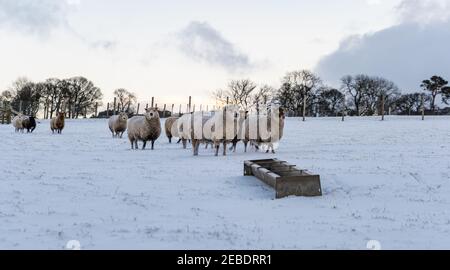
x,y
76,96
303,93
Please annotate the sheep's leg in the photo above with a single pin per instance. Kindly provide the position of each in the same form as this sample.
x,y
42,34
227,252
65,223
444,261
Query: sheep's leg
x,y
179,140
153,143
132,144
143,146
245,146
184,143
217,149
224,148
195,145
136,145
170,139
232,146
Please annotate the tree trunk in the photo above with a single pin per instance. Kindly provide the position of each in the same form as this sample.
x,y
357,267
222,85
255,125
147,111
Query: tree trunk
x,y
304,109
433,101
422,107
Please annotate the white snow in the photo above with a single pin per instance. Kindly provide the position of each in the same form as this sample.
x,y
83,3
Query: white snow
x,y
386,181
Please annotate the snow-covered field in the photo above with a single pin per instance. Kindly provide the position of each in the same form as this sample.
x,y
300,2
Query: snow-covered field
x,y
387,181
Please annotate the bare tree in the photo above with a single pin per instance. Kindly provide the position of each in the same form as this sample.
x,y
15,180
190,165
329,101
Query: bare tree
x,y
356,87
7,96
303,84
238,92
264,96
410,103
330,101
125,99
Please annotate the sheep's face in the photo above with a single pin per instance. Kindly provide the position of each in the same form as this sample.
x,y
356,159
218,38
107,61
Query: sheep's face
x,y
151,113
61,115
123,116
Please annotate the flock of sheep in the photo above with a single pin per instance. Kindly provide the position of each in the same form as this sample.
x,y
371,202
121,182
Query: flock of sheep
x,y
147,128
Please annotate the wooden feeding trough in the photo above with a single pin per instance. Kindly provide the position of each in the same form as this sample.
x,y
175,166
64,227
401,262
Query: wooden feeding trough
x,y
284,177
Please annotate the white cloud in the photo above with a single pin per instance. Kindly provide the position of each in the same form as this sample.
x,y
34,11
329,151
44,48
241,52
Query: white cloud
x,y
424,11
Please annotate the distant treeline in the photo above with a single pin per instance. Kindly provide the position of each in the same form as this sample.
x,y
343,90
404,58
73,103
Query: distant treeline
x,y
76,96
301,93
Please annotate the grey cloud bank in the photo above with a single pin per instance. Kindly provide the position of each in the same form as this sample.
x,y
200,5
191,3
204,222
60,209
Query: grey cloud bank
x,y
32,16
201,42
407,53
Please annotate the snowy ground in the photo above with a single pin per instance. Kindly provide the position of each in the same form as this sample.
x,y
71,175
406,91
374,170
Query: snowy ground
x,y
388,181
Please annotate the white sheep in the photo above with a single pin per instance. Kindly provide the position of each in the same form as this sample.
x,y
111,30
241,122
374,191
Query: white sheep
x,y
268,135
171,129
220,128
17,122
182,128
118,124
144,128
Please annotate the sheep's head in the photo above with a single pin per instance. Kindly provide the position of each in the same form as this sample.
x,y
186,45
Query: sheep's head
x,y
151,113
123,116
61,115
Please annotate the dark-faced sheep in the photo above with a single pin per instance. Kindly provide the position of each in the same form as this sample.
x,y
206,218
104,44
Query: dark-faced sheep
x,y
57,123
144,128
118,124
29,123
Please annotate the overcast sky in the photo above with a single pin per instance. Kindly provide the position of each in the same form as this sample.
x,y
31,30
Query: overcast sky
x,y
172,49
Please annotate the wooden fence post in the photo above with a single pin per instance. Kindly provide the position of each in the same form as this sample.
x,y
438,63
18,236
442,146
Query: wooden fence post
x,y
96,109
153,100
189,105
171,111
107,110
382,107
179,112
8,113
4,112
114,111
164,111
137,111
228,100
304,108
